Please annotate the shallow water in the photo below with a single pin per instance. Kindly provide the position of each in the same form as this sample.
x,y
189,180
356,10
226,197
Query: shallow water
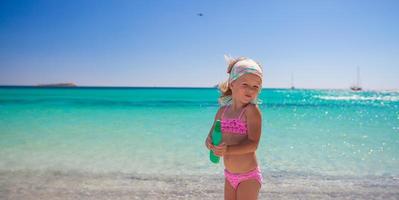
x,y
162,131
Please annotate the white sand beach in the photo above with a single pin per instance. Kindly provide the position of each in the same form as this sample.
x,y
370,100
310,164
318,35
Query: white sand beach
x,y
74,185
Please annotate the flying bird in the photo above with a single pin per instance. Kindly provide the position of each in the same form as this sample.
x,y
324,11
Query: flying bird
x,y
200,14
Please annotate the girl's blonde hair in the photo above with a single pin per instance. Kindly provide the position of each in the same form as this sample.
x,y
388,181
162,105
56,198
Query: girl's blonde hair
x,y
224,88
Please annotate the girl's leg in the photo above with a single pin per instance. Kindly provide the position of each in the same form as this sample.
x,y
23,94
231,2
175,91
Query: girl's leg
x,y
248,190
229,192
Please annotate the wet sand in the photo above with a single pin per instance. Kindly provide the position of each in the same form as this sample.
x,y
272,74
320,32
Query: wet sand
x,y
76,185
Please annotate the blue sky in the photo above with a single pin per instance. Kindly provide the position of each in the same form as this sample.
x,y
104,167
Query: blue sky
x,y
165,42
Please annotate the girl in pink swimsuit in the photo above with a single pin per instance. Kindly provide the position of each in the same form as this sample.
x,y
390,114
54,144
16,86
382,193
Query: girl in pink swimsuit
x,y
241,128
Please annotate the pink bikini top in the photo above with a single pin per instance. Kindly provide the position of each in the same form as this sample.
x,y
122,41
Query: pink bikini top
x,y
235,125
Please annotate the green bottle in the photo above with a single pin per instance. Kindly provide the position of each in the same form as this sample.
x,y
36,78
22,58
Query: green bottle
x,y
216,140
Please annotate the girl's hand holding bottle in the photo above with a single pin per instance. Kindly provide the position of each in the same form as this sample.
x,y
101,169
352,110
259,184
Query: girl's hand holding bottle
x,y
220,150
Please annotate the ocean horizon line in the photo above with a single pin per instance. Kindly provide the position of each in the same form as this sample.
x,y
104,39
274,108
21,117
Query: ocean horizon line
x,y
171,87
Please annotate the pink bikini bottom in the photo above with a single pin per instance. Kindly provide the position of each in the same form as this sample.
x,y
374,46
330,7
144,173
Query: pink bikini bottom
x,y
236,179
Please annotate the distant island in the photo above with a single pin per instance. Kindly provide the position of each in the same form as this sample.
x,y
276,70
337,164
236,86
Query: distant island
x,y
57,85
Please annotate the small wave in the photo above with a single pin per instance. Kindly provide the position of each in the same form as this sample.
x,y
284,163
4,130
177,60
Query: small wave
x,y
99,102
360,98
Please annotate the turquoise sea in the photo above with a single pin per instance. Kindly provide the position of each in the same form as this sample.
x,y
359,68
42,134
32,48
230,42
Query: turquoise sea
x,y
162,131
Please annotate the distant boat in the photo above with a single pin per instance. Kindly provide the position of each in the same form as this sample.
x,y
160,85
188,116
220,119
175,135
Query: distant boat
x,y
357,86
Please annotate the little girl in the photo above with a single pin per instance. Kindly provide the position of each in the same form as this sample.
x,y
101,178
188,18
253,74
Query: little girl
x,y
241,128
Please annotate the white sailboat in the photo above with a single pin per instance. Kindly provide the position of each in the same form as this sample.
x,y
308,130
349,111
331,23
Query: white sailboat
x,y
357,86
292,82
